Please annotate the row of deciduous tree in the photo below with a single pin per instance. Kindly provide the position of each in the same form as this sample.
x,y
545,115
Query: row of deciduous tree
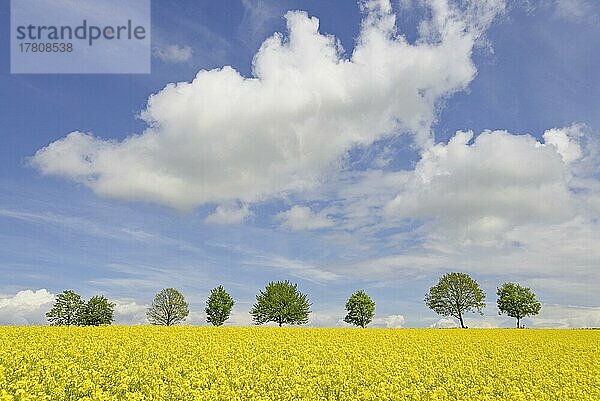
x,y
457,293
281,302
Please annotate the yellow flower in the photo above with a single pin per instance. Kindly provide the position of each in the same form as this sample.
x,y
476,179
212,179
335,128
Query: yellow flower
x,y
205,363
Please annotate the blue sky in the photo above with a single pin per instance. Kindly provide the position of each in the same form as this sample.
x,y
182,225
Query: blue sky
x,y
332,162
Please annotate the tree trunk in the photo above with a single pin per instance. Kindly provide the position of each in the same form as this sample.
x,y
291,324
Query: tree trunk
x,y
280,324
462,324
518,320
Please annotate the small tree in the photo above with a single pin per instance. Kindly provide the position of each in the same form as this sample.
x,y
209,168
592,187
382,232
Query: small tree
x,y
281,302
168,308
361,309
517,301
218,306
97,311
67,310
455,294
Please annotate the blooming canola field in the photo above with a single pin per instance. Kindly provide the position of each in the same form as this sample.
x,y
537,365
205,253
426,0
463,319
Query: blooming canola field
x,y
271,363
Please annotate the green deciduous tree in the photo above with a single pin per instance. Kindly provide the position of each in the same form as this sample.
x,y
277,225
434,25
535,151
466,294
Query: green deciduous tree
x,y
97,311
517,301
168,308
282,303
67,310
455,294
361,309
218,306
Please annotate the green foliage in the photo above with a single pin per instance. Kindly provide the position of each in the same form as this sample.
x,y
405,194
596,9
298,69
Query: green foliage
x,y
67,310
361,309
70,310
517,301
282,303
218,306
455,294
168,308
97,311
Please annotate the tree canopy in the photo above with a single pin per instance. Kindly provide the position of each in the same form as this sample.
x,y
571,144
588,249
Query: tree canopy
x,y
71,310
168,308
454,295
218,306
98,310
68,309
361,309
517,301
282,303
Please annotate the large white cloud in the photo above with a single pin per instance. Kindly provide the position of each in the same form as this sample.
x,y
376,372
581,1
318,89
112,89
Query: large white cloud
x,y
479,188
224,137
26,307
498,205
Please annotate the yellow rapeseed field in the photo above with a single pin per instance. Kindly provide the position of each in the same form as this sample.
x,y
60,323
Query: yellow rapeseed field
x,y
209,363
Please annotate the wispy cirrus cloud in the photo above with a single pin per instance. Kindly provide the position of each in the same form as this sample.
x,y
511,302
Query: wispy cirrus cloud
x,y
303,218
578,10
96,228
173,53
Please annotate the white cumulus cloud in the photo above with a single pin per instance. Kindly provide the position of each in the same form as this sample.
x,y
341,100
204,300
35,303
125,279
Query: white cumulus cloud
x,y
224,137
129,312
567,316
498,204
566,141
479,188
26,307
229,214
391,321
444,323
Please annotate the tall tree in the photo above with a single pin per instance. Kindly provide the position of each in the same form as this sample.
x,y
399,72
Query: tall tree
x,y
97,311
68,309
218,306
282,303
454,295
361,309
168,308
517,301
